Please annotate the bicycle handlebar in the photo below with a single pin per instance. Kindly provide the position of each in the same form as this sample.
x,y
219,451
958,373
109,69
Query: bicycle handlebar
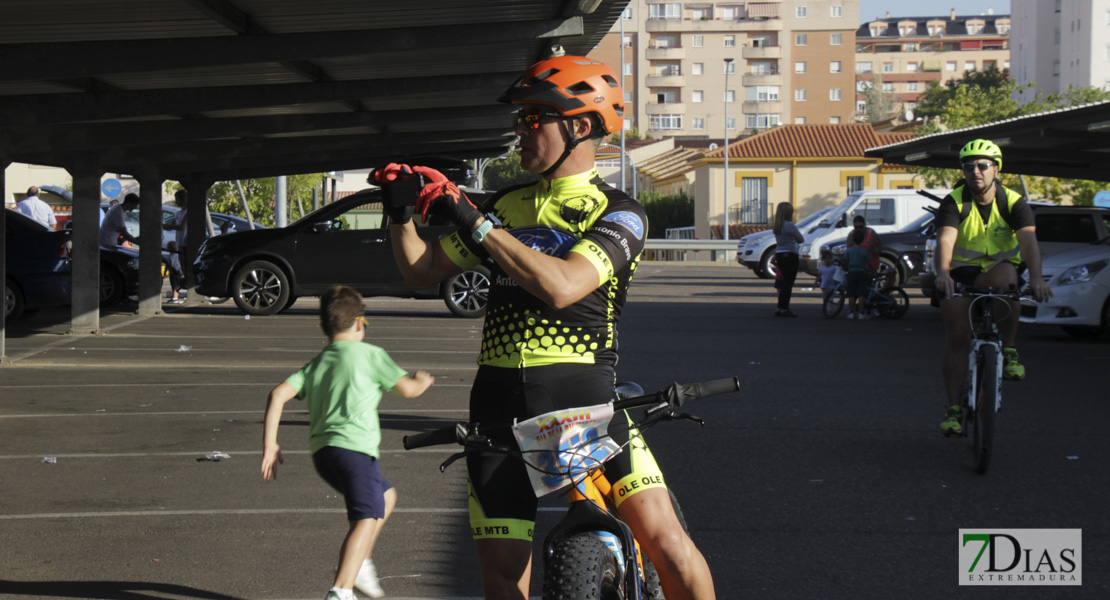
x,y
669,398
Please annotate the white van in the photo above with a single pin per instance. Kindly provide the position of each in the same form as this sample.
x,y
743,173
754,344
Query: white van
x,y
885,211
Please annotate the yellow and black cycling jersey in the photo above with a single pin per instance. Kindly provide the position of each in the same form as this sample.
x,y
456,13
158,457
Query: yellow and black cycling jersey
x,y
582,214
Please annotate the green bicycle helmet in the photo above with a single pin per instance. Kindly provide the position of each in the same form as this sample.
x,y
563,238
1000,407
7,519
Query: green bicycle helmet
x,y
983,148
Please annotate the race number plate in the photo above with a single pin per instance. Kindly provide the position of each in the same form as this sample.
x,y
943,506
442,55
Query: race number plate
x,y
565,445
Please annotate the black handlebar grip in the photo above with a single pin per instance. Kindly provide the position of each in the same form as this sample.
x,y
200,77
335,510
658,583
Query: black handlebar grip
x,y
435,437
705,389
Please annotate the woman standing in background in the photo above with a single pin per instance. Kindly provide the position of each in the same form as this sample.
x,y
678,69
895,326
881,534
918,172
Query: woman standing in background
x,y
787,238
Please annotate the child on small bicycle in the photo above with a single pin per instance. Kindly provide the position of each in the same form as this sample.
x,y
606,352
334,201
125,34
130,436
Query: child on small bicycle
x,y
342,387
858,277
826,276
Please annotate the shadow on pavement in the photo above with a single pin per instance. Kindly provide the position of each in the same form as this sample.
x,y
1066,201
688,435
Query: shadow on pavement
x,y
114,590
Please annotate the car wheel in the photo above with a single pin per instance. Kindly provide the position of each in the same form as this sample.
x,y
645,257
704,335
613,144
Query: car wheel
x,y
467,294
899,277
111,285
766,268
13,301
260,288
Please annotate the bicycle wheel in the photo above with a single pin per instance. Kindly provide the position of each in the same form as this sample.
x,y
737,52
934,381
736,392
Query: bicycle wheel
x,y
893,302
836,302
582,568
985,404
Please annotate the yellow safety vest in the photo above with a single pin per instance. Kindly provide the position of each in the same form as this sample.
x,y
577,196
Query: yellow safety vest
x,y
981,244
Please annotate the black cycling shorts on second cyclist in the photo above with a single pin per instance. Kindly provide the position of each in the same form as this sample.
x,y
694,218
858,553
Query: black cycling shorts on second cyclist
x,y
502,502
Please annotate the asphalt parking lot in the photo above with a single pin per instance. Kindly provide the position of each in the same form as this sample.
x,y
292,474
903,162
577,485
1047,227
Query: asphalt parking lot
x,y
824,478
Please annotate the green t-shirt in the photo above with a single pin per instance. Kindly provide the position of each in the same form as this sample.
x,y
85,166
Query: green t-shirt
x,y
342,387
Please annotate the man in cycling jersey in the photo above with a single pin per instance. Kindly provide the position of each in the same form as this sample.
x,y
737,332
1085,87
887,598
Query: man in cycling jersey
x,y
984,230
563,251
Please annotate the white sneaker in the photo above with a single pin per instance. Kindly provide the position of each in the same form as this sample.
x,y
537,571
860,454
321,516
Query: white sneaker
x,y
851,315
367,580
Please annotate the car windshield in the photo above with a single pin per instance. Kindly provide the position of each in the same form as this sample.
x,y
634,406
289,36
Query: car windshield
x,y
920,222
834,215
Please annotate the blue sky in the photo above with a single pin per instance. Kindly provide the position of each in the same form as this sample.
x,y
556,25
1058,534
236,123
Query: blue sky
x,y
869,9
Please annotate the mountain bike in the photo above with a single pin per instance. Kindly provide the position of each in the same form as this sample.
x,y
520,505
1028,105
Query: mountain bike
x,y
590,554
890,301
981,397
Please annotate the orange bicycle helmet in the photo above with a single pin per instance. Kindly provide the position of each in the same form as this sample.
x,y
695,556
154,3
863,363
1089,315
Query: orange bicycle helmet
x,y
574,86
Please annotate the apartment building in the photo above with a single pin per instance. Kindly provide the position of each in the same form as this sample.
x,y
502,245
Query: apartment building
x,y
904,54
1059,44
699,69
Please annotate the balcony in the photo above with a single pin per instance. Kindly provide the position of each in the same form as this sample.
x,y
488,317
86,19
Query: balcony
x,y
663,53
719,25
654,81
762,79
761,52
751,107
666,108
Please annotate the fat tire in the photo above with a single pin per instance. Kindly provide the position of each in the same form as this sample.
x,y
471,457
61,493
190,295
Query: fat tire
x,y
985,404
835,304
582,568
899,303
260,288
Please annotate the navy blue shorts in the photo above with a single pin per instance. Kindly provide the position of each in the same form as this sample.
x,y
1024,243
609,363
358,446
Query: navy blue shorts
x,y
856,282
357,477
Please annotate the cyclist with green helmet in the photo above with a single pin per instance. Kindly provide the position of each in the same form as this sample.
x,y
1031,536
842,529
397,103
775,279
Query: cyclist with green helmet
x,y
984,232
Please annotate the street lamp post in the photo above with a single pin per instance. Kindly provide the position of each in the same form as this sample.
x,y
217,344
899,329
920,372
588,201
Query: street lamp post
x,y
728,64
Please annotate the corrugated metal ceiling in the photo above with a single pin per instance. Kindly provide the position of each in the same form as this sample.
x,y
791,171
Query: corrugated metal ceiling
x,y
217,88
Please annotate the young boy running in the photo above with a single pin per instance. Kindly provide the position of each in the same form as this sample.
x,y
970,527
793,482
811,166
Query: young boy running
x,y
342,387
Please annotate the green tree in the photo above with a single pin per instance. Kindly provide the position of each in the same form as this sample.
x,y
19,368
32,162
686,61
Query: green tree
x,y
880,105
505,172
664,212
223,196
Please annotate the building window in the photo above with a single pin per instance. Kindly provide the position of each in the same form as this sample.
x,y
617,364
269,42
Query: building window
x,y
666,121
627,14
974,28
836,39
888,87
799,120
911,67
698,96
730,67
730,13
969,65
761,121
834,94
730,41
753,200
698,68
950,66
888,67
855,183
664,97
834,66
800,95
627,41
763,93
730,96
698,41
911,86
699,123
861,106
800,39
665,11
627,98
700,14
863,67
834,120
909,47
836,11
627,68
801,12
799,67
730,123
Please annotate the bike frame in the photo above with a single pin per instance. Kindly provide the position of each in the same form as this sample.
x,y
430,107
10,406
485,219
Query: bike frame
x,y
981,316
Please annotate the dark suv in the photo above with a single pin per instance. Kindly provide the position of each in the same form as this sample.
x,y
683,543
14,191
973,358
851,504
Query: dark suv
x,y
346,242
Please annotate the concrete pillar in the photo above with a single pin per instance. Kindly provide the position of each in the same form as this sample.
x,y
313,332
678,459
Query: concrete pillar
x,y
281,210
3,258
85,269
150,244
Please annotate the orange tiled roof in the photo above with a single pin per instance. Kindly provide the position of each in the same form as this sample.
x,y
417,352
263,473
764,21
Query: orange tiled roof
x,y
811,141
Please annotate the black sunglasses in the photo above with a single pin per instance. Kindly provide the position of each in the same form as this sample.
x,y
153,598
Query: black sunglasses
x,y
983,165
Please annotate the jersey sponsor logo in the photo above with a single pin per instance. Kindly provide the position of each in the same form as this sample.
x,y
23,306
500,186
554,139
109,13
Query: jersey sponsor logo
x,y
578,209
629,220
544,239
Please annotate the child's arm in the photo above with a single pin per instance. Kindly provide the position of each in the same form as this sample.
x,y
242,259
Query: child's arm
x,y
411,387
271,452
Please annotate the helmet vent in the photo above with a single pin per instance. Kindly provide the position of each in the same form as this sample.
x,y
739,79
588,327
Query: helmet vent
x,y
580,88
612,81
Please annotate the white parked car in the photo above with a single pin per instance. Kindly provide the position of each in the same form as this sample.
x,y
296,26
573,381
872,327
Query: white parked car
x,y
1080,280
755,250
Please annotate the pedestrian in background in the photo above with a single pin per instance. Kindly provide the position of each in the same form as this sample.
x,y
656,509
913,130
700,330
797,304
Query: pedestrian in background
x,y
35,208
787,238
858,277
